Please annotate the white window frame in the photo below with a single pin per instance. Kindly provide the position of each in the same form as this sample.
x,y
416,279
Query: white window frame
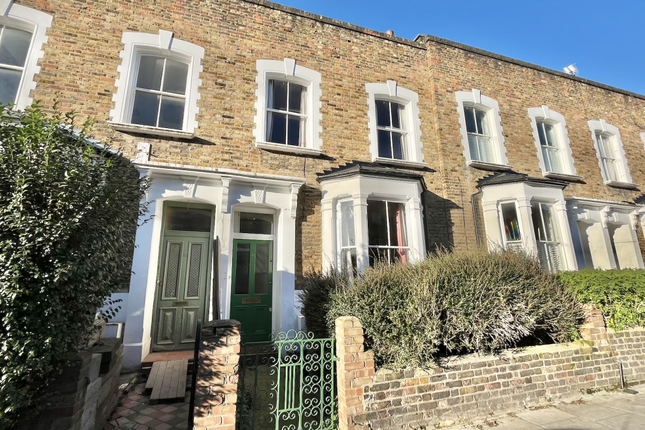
x,y
477,100
548,116
392,92
288,71
36,22
165,45
389,247
512,244
624,179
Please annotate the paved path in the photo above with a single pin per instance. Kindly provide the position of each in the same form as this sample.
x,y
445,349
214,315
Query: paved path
x,y
602,411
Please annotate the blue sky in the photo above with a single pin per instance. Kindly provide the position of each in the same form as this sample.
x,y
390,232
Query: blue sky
x,y
605,39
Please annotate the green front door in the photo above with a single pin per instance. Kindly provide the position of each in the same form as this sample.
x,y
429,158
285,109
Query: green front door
x,y
252,288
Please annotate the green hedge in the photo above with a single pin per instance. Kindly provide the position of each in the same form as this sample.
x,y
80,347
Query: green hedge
x,y
619,294
68,213
450,303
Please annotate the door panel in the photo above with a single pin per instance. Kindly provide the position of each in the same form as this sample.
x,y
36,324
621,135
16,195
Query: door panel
x,y
182,289
188,324
166,326
252,295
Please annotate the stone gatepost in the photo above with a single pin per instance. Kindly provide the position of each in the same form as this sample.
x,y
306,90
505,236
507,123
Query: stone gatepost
x,y
217,373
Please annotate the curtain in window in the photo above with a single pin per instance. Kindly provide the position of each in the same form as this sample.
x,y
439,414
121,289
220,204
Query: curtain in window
x,y
400,234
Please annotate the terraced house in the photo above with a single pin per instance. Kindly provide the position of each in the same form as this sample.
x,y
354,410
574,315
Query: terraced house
x,y
280,141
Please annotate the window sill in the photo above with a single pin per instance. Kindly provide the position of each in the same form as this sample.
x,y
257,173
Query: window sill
x,y
280,147
146,129
618,184
488,166
563,176
402,163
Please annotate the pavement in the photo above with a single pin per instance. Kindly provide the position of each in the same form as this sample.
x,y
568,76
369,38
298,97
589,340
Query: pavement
x,y
136,413
601,411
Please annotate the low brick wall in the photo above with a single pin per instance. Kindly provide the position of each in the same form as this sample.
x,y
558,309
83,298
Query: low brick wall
x,y
85,395
472,385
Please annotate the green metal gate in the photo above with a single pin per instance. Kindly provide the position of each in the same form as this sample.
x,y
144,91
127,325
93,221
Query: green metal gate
x,y
287,384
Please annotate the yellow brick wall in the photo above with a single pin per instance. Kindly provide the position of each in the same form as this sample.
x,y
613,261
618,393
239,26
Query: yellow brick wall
x,y
80,67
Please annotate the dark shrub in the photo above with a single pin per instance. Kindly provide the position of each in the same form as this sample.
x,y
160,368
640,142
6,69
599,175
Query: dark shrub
x,y
619,294
457,303
68,210
315,297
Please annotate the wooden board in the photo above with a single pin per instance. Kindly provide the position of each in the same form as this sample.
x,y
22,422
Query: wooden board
x,y
169,382
151,377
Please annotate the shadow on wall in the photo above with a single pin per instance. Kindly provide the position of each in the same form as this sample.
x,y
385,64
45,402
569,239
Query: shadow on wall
x,y
307,234
438,223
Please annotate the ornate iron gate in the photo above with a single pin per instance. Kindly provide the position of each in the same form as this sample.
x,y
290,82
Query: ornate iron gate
x,y
287,384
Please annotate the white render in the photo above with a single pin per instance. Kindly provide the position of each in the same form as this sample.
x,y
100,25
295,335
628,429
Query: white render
x,y
598,218
36,22
523,194
228,191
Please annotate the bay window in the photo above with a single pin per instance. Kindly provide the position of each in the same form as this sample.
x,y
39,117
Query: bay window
x,y
548,246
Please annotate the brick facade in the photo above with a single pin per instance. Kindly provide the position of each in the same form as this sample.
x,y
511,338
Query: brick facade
x,y
473,386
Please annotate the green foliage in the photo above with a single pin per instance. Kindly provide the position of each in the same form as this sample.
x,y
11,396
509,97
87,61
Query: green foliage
x,y
315,297
68,210
451,303
619,294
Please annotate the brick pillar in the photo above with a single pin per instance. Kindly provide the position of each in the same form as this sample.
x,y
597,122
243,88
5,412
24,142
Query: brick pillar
x,y
216,391
355,371
594,328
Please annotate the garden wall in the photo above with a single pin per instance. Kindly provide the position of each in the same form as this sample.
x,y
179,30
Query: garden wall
x,y
86,393
472,385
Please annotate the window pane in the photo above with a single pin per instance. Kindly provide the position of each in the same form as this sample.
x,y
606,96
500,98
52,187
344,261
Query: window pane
x,y
397,146
384,144
9,83
554,156
610,169
378,254
469,113
262,268
474,148
172,113
277,95
541,134
348,237
550,135
376,223
145,109
150,72
276,127
549,226
175,77
253,223
396,115
186,219
546,155
242,265
14,46
296,94
482,126
382,113
511,223
348,260
294,131
484,148
397,228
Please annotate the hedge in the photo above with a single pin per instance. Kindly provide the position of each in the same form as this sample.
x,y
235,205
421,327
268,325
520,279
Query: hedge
x,y
619,294
450,303
68,212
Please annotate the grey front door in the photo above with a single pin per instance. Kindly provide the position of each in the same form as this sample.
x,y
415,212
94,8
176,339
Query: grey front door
x,y
181,284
